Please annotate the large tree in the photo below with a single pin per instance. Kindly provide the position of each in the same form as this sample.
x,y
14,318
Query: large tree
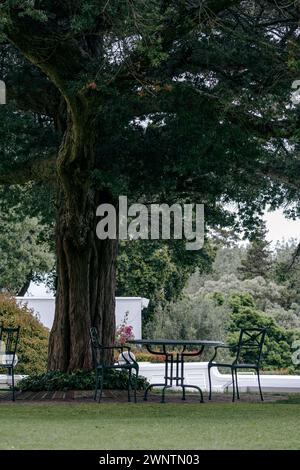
x,y
159,100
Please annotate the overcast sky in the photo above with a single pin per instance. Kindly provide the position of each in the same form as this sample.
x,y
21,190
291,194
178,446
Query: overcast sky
x,y
280,228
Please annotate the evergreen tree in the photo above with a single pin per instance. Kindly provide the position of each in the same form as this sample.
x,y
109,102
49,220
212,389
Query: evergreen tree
x,y
258,259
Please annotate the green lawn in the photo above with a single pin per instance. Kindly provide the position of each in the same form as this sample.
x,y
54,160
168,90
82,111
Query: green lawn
x,y
151,426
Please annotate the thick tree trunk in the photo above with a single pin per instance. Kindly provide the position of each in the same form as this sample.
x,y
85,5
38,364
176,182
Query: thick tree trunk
x,y
85,297
25,286
86,266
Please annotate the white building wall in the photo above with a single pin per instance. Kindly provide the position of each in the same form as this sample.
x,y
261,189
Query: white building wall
x,y
44,308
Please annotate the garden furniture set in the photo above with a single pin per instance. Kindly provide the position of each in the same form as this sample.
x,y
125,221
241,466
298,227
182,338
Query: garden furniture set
x,y
247,355
175,352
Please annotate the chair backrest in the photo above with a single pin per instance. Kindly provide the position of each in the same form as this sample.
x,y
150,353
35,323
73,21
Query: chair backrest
x,y
96,345
9,338
250,346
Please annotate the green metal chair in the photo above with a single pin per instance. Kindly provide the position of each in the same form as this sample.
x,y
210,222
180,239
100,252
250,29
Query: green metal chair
x,y
129,364
248,355
9,338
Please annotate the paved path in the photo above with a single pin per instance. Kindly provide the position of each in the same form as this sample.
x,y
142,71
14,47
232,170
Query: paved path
x,y
120,396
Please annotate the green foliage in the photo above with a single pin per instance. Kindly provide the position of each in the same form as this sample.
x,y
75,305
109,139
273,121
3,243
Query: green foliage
x,y
192,317
218,297
23,137
277,350
25,254
278,294
145,356
228,260
258,261
77,380
33,343
286,270
166,65
158,271
287,318
268,294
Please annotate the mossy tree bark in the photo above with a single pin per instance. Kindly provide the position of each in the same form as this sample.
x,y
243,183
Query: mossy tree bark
x,y
85,294
86,265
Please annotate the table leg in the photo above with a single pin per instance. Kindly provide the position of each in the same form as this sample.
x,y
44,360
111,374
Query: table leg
x,y
168,365
169,372
182,373
183,385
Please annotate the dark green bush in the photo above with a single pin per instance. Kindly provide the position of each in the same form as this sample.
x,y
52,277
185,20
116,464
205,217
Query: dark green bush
x,y
33,343
78,380
277,352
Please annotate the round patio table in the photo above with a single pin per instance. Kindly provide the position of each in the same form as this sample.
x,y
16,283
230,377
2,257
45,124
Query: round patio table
x,y
174,361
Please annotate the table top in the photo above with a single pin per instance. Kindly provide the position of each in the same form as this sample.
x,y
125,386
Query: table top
x,y
176,342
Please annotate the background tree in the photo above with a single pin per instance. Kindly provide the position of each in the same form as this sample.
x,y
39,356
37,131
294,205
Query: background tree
x,y
287,269
258,257
25,252
158,270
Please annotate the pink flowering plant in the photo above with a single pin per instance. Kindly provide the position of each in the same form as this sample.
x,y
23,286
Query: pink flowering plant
x,y
124,332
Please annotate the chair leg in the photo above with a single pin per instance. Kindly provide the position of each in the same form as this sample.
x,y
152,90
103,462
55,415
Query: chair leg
x,y
146,392
101,377
233,385
259,385
163,395
129,384
135,385
209,380
237,385
96,385
13,383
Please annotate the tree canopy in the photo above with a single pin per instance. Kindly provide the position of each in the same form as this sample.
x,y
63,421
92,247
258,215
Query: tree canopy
x,y
212,80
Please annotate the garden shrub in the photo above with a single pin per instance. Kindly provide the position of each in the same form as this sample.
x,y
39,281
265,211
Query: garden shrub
x,y
277,349
145,356
77,380
33,342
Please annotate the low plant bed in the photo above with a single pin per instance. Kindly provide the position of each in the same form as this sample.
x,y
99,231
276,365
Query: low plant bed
x,y
78,380
290,371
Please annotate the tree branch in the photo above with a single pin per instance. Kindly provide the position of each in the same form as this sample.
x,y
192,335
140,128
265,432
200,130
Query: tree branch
x,y
38,170
47,45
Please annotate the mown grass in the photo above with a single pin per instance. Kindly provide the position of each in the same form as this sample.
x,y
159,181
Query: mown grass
x,y
151,426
